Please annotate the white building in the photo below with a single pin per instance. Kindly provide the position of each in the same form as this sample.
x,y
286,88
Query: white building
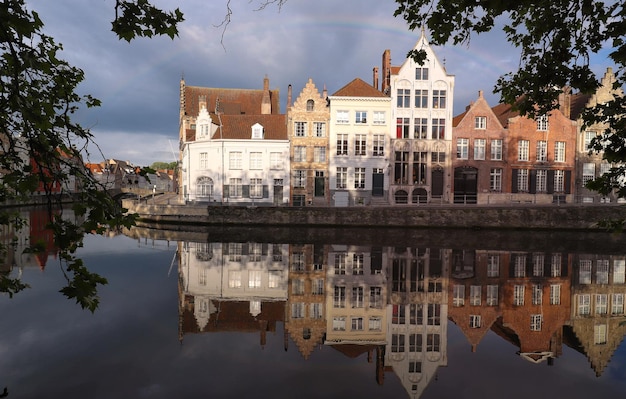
x,y
359,145
422,98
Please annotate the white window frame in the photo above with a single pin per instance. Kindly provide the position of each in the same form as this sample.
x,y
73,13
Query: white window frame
x,y
299,153
359,178
496,150
542,151
479,149
342,178
379,117
360,117
256,160
343,117
320,129
480,122
235,160
462,148
256,188
559,151
319,154
522,150
235,187
542,123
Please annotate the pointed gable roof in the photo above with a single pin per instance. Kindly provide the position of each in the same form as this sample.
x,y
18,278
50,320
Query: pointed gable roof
x,y
358,88
479,103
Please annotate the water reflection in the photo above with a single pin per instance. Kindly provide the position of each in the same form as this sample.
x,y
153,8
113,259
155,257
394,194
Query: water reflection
x,y
392,302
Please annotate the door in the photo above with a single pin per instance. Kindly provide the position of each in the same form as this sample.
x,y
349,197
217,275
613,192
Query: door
x,y
319,184
278,191
465,185
378,184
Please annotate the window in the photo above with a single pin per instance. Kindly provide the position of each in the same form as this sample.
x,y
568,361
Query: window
x,y
297,262
317,286
584,304
475,292
342,144
234,279
357,324
416,316
458,295
317,310
439,98
357,297
339,297
320,129
619,269
479,149
496,150
402,128
359,177
492,295
584,271
378,145
275,160
401,169
420,128
438,129
300,129
357,264
535,322
541,181
493,265
342,117
542,151
379,118
559,181
360,117
415,343
234,252
589,136
299,178
522,150
339,324
319,154
434,314
555,267
404,98
256,188
204,160
421,98
495,180
542,123
310,105
397,343
299,153
589,173
438,157
599,334
617,304
360,144
342,177
376,299
602,271
522,180
480,122
555,294
559,151
256,160
538,264
462,148
236,188
474,321
433,342
254,278
375,324
398,314
235,160
518,295
419,167
205,186
519,268
340,264
421,73
601,304
537,292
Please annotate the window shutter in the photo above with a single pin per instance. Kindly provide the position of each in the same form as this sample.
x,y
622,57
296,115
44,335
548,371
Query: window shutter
x,y
568,181
226,191
245,191
266,191
532,185
225,248
550,182
514,180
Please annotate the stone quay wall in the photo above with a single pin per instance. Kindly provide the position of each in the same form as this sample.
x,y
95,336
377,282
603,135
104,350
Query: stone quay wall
x,y
564,217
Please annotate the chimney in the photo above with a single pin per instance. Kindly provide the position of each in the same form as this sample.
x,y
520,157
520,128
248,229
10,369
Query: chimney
x,y
325,92
266,102
288,97
201,103
386,78
375,81
565,102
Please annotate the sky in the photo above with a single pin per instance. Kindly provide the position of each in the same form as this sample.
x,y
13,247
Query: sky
x,y
328,41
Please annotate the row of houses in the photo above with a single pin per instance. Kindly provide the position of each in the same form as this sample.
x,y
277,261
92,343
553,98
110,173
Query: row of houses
x,y
395,141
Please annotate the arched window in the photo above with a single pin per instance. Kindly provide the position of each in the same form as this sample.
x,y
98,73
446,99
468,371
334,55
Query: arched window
x,y
310,105
204,186
419,196
402,197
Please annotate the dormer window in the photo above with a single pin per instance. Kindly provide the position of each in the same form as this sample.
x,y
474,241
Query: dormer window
x,y
310,105
257,131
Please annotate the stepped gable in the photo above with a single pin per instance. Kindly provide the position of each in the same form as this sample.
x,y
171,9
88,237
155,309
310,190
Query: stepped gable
x,y
231,101
239,127
358,88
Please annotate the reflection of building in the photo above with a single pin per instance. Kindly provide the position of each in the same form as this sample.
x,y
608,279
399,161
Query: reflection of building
x,y
417,315
598,320
231,286
305,320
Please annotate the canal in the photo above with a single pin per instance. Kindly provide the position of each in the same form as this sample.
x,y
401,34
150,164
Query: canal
x,y
332,313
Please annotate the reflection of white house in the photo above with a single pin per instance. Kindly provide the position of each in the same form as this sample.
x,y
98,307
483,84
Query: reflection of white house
x,y
359,144
252,272
234,146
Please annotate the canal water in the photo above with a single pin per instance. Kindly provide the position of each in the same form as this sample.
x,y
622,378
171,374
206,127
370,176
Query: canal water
x,y
324,313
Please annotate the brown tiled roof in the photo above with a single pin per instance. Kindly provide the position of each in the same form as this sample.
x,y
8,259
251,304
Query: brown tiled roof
x,y
359,88
232,101
504,112
457,119
240,126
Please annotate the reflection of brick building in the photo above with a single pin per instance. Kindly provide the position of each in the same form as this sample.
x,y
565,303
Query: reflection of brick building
x,y
598,318
305,320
